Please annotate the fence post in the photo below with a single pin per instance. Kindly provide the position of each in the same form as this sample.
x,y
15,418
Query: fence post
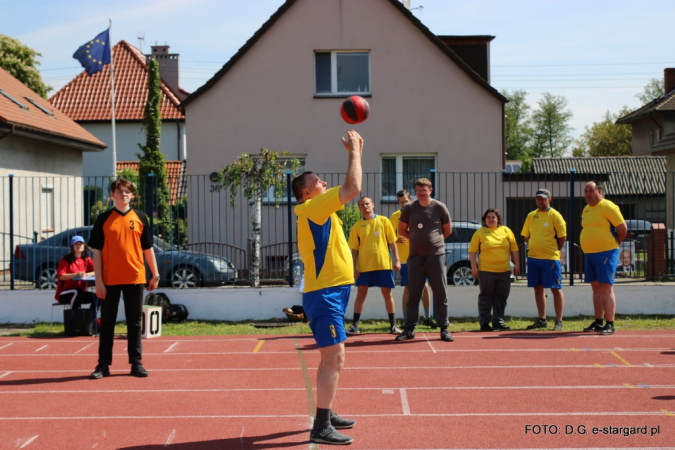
x,y
290,228
151,188
571,234
11,231
432,175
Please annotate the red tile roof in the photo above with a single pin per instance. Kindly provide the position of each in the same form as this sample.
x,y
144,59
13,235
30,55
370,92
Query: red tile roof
x,y
87,98
176,176
33,120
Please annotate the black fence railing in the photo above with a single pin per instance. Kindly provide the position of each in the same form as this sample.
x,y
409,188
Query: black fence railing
x,y
201,240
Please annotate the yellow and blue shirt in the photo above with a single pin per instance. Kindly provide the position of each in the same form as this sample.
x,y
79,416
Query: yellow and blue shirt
x,y
495,246
372,238
403,249
599,222
322,244
544,229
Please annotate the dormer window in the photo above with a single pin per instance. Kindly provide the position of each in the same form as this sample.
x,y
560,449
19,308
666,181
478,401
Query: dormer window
x,y
342,73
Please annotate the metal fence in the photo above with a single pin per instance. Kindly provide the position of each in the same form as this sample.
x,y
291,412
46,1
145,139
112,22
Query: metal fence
x,y
202,240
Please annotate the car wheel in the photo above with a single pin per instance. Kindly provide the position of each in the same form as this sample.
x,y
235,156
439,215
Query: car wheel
x,y
460,275
184,278
46,278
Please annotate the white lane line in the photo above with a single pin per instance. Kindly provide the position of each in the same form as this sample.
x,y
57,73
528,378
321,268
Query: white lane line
x,y
27,443
5,346
241,436
268,369
44,346
5,374
84,348
429,342
384,390
404,403
304,416
172,346
170,438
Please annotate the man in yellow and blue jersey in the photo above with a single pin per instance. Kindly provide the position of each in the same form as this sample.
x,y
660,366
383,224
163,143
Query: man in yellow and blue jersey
x,y
329,274
545,232
603,231
370,240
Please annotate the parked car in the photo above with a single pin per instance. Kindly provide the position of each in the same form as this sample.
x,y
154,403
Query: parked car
x,y
638,229
456,256
178,268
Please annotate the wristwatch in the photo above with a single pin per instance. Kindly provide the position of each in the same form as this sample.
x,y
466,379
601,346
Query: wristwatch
x,y
156,277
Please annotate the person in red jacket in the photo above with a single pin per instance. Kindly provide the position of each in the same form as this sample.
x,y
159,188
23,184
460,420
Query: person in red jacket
x,y
76,264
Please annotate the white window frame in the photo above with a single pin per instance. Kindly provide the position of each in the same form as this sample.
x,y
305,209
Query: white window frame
x,y
48,204
333,75
399,171
268,197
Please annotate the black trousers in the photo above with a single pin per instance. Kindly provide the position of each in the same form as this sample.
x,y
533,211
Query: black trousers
x,y
133,311
419,269
494,291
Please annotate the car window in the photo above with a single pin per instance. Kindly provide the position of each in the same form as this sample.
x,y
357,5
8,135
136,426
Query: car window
x,y
460,235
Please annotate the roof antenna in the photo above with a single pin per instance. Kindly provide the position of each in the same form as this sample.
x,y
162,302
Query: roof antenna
x,y
141,40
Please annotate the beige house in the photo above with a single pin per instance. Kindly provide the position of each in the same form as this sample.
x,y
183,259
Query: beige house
x,y
283,91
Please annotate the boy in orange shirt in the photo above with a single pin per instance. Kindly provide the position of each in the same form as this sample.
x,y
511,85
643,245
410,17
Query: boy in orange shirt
x,y
120,239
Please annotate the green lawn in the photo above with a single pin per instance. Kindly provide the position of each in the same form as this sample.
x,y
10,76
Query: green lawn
x,y
218,328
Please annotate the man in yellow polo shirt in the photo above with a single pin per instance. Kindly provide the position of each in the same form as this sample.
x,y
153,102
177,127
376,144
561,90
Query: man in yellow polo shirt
x,y
329,274
370,240
545,233
603,231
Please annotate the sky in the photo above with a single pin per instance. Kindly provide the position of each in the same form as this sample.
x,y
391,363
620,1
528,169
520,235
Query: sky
x,y
598,54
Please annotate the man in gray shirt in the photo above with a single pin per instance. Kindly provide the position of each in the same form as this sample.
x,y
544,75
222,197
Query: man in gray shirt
x,y
426,223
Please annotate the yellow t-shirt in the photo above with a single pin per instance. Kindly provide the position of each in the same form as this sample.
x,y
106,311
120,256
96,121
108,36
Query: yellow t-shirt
x,y
598,227
322,244
403,249
372,238
495,246
544,229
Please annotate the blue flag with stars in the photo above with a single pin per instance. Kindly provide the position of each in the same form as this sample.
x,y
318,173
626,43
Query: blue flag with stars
x,y
94,54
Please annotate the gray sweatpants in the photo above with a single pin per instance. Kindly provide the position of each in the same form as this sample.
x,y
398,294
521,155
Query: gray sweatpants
x,y
421,268
494,290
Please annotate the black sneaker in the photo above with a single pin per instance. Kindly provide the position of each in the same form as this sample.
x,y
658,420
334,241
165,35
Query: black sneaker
x,y
539,324
595,326
341,423
100,372
486,327
329,436
500,327
446,336
137,370
607,329
406,336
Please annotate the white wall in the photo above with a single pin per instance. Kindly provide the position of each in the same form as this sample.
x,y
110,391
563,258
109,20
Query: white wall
x,y
128,136
234,304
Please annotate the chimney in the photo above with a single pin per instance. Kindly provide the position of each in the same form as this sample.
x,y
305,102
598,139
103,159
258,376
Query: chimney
x,y
406,3
668,80
168,68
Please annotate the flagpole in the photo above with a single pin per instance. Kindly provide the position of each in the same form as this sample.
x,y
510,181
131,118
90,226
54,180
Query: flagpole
x,y
112,100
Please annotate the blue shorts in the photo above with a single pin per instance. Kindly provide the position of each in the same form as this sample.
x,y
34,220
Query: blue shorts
x,y
325,310
404,274
601,266
376,278
544,272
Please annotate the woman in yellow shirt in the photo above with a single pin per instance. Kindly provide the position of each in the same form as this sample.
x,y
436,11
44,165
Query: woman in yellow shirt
x,y
495,243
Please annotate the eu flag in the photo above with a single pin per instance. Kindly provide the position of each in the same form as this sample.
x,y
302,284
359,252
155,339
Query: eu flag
x,y
94,54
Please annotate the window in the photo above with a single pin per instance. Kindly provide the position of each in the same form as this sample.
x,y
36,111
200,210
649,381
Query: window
x,y
269,196
401,172
342,73
47,209
19,104
40,107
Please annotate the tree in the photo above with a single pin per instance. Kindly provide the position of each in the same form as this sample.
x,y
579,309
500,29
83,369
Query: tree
x,y
256,176
518,131
606,138
550,122
654,89
152,159
349,215
21,62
